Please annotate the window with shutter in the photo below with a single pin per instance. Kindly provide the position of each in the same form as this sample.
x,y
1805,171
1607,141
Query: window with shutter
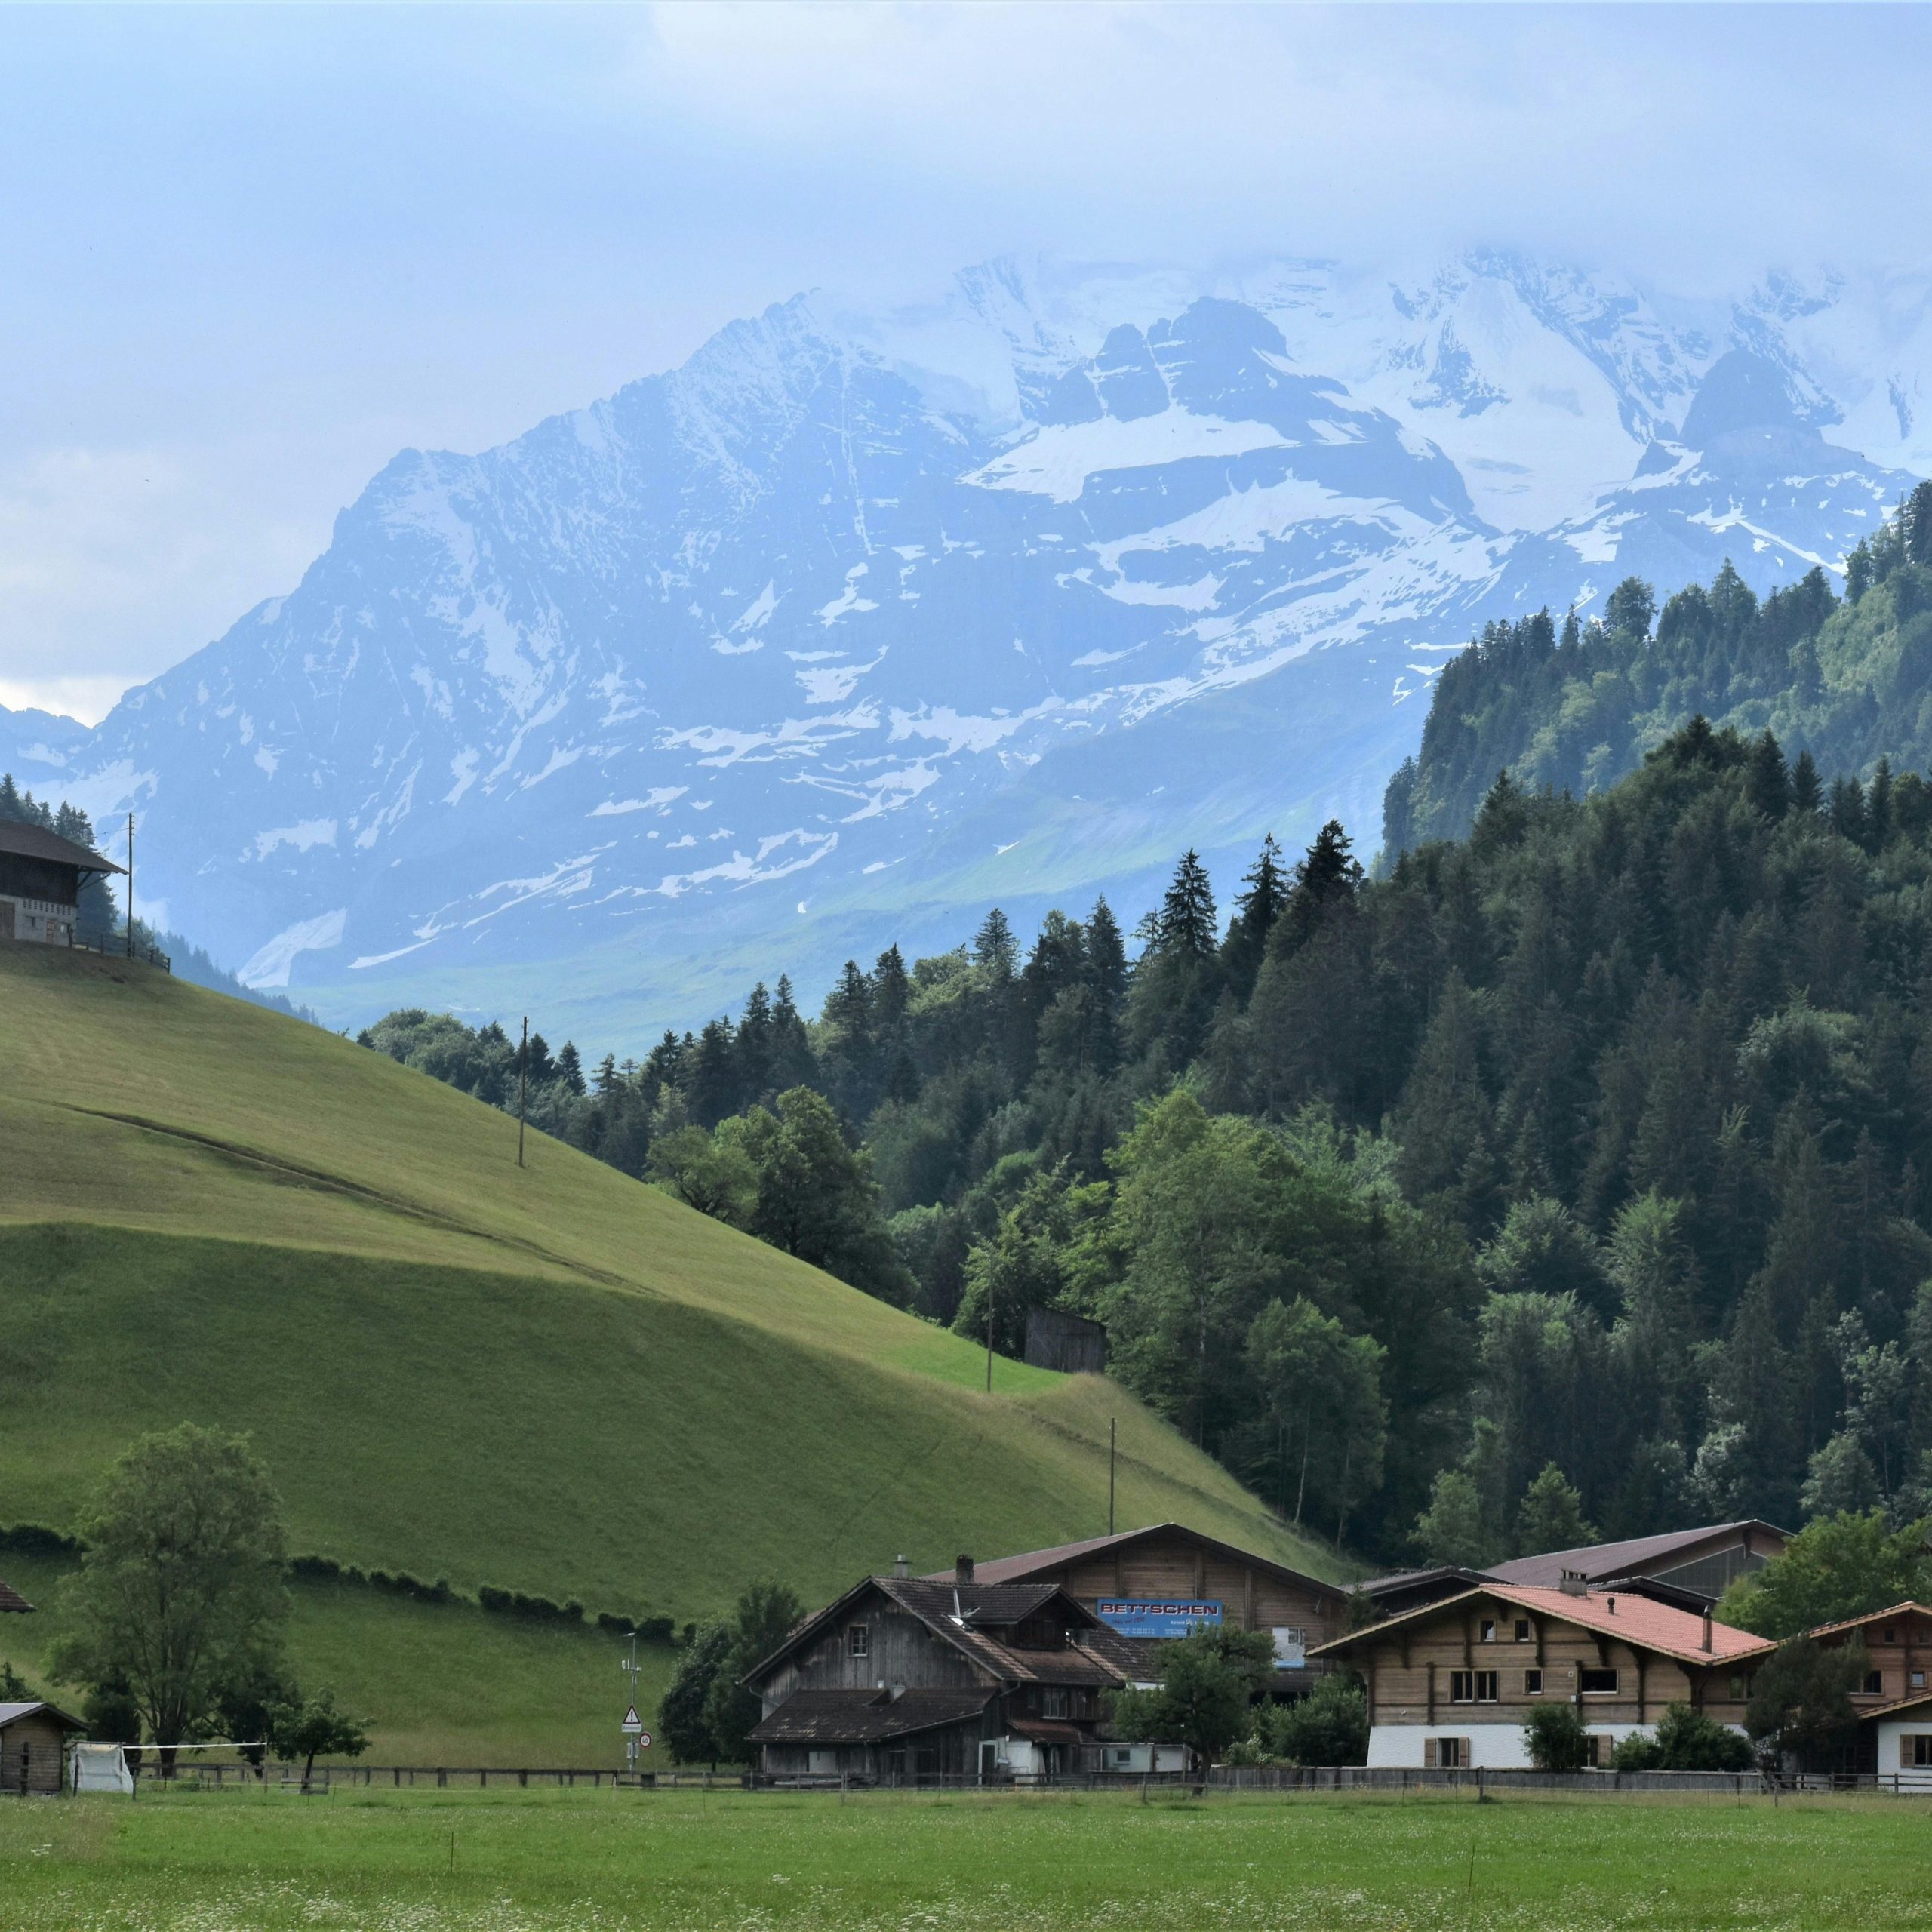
x,y
1432,1757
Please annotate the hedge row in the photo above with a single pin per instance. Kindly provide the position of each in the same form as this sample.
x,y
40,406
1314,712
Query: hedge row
x,y
37,1539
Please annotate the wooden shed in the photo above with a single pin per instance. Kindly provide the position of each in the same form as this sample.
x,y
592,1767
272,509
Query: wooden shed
x,y
33,1749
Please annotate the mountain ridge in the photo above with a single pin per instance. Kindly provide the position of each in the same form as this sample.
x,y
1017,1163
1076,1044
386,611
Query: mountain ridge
x,y
828,630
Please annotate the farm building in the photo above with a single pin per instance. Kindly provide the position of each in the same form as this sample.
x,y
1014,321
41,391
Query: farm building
x,y
917,1677
1691,1568
1450,1683
33,1744
1897,1739
41,877
1160,1581
1898,1652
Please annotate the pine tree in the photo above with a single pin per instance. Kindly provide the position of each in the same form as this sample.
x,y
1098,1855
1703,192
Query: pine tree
x,y
1770,782
1805,791
993,948
1326,877
570,1068
1265,893
1188,923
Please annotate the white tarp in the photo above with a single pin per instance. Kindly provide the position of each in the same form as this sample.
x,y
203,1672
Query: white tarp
x,y
100,1767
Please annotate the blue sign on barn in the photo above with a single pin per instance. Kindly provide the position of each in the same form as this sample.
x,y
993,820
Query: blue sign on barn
x,y
1139,1616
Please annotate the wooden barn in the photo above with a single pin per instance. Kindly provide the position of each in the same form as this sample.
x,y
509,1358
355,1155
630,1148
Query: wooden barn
x,y
1691,1568
41,876
1160,1580
33,1749
911,1677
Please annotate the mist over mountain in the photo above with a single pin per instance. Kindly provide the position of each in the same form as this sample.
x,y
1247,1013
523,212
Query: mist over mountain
x,y
858,622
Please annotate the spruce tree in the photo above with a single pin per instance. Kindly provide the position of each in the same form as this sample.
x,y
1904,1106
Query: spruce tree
x,y
1805,791
1188,922
1265,893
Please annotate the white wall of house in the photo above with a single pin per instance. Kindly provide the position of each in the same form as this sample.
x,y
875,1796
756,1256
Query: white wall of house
x,y
44,922
1492,1747
1139,1759
1896,1751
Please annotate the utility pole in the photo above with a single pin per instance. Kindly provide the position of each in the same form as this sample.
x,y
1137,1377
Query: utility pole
x,y
130,885
1111,1425
522,1082
989,1338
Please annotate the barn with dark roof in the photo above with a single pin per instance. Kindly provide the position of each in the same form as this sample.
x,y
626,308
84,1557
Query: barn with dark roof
x,y
910,1677
41,877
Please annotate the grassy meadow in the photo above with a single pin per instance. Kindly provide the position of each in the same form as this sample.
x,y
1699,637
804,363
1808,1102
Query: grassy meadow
x,y
548,1379
572,1861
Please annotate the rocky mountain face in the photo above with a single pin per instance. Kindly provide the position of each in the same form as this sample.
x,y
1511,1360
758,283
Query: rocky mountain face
x,y
856,623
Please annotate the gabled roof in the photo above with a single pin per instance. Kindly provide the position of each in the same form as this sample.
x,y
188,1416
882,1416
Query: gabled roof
x,y
13,1713
866,1717
1043,1562
971,1617
1636,1555
1918,1700
30,841
1635,1621
1908,1608
12,1599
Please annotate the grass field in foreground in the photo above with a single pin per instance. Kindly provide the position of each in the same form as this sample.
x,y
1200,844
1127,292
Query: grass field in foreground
x,y
569,1861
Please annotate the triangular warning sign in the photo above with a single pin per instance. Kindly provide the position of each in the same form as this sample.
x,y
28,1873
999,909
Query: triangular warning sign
x,y
632,1720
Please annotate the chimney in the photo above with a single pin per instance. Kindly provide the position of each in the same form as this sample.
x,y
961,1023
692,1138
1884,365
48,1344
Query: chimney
x,y
962,1570
1573,1583
900,1567
1706,1644
1612,1602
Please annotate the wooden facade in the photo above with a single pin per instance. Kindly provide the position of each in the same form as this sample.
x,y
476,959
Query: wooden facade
x,y
1444,1677
41,875
906,1677
33,1748
1898,1652
1169,1563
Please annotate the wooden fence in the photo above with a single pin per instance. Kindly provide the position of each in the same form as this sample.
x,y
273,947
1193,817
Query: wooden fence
x,y
1226,1778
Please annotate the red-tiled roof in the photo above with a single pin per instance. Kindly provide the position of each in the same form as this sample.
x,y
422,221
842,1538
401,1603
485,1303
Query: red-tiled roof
x,y
1636,1620
1897,1609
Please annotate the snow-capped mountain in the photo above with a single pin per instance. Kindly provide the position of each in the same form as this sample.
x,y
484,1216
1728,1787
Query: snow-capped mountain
x,y
856,623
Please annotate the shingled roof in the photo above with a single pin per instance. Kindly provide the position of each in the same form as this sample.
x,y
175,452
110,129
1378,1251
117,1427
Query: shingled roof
x,y
1636,1556
1042,1562
971,1617
31,841
866,1717
12,1599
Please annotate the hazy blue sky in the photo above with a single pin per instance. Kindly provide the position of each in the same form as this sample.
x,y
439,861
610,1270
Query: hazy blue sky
x,y
245,256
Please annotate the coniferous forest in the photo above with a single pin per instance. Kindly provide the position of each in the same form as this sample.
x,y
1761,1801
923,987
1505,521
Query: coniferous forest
x,y
1572,1176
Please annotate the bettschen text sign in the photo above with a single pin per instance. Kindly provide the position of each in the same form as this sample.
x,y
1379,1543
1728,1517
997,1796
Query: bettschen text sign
x,y
1139,1616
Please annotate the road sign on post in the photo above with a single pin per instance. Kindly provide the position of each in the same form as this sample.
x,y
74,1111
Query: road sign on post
x,y
633,1724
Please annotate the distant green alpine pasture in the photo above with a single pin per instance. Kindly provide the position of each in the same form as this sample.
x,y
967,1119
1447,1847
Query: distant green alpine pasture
x,y
550,1379
1012,1862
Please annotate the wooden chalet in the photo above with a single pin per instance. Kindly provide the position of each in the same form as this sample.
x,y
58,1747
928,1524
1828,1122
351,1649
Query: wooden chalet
x,y
1450,1684
912,1676
1896,1741
1162,1581
1898,1652
41,876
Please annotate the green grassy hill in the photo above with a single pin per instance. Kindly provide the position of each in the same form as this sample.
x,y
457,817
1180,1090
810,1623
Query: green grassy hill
x,y
550,1379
